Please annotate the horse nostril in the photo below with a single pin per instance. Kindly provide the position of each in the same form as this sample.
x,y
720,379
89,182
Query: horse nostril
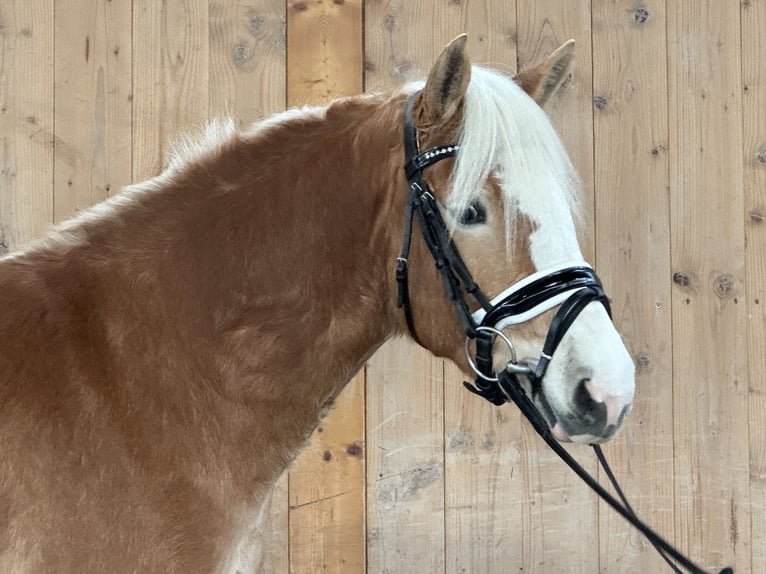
x,y
592,413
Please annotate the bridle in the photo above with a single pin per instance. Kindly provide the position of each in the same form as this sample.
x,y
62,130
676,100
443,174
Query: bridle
x,y
570,287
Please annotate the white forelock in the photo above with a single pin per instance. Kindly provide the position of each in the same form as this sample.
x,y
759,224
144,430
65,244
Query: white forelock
x,y
506,134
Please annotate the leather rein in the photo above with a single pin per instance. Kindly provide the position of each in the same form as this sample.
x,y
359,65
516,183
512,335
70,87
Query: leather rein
x,y
570,287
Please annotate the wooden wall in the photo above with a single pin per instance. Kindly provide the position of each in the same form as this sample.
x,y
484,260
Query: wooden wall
x,y
666,121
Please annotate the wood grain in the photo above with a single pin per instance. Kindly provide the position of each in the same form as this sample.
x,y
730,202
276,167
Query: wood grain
x,y
26,121
405,460
632,241
710,375
248,59
753,25
93,121
170,77
327,491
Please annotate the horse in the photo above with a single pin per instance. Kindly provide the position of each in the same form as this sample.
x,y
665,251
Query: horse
x,y
166,353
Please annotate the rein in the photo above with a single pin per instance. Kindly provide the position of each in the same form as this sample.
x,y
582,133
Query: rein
x,y
571,288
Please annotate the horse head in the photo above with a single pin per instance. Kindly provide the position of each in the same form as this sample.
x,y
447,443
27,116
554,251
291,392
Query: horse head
x,y
508,199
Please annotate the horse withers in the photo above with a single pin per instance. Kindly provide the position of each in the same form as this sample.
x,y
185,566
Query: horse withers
x,y
167,353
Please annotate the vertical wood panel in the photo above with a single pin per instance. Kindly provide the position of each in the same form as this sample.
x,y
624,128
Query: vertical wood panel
x,y
327,490
631,176
753,22
327,482
553,492
483,488
93,103
170,77
26,121
405,460
248,59
707,258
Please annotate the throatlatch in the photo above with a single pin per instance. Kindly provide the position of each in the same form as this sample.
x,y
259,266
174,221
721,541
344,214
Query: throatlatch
x,y
571,288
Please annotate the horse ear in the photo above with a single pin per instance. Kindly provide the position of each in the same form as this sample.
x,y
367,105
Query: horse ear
x,y
543,80
446,84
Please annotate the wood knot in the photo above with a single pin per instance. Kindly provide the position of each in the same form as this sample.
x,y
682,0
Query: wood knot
x,y
642,364
369,66
255,23
757,216
354,449
640,15
339,2
761,155
241,53
389,22
600,102
488,441
682,279
300,7
724,286
327,456
461,439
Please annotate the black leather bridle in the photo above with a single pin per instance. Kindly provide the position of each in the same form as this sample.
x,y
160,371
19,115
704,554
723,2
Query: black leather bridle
x,y
572,288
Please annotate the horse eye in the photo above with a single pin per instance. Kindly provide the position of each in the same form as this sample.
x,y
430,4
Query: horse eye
x,y
474,214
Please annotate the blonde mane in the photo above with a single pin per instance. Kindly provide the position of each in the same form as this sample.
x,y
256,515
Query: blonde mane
x,y
506,134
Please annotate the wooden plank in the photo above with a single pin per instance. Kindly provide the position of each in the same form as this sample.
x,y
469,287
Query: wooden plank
x,y
93,64
327,482
324,56
26,121
275,542
170,77
710,378
753,23
482,482
484,488
248,59
552,493
631,167
405,460
405,417
327,522
247,68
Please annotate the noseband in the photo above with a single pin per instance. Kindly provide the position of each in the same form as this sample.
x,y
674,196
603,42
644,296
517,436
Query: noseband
x,y
571,287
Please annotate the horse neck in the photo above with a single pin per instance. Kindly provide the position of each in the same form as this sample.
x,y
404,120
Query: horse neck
x,y
256,276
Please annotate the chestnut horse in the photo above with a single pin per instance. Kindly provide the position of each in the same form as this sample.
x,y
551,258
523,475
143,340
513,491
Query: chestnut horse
x,y
167,353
